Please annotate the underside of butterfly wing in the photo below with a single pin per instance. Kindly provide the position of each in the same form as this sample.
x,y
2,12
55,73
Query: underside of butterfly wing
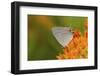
x,y
62,35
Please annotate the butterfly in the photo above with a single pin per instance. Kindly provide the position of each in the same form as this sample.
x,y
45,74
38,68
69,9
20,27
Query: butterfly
x,y
63,35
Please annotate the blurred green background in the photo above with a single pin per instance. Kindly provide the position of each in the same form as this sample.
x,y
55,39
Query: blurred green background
x,y
42,45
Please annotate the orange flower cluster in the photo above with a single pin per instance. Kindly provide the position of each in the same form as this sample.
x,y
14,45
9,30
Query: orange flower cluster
x,y
77,48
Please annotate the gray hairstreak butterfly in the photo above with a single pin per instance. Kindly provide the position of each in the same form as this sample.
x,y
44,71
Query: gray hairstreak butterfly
x,y
63,35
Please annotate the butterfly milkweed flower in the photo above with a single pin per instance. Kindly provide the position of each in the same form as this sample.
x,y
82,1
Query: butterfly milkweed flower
x,y
77,48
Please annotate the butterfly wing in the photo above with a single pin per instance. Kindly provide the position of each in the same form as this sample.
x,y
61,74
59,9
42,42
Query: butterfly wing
x,y
62,35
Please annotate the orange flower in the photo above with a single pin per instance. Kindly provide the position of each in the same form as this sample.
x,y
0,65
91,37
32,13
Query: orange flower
x,y
77,48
